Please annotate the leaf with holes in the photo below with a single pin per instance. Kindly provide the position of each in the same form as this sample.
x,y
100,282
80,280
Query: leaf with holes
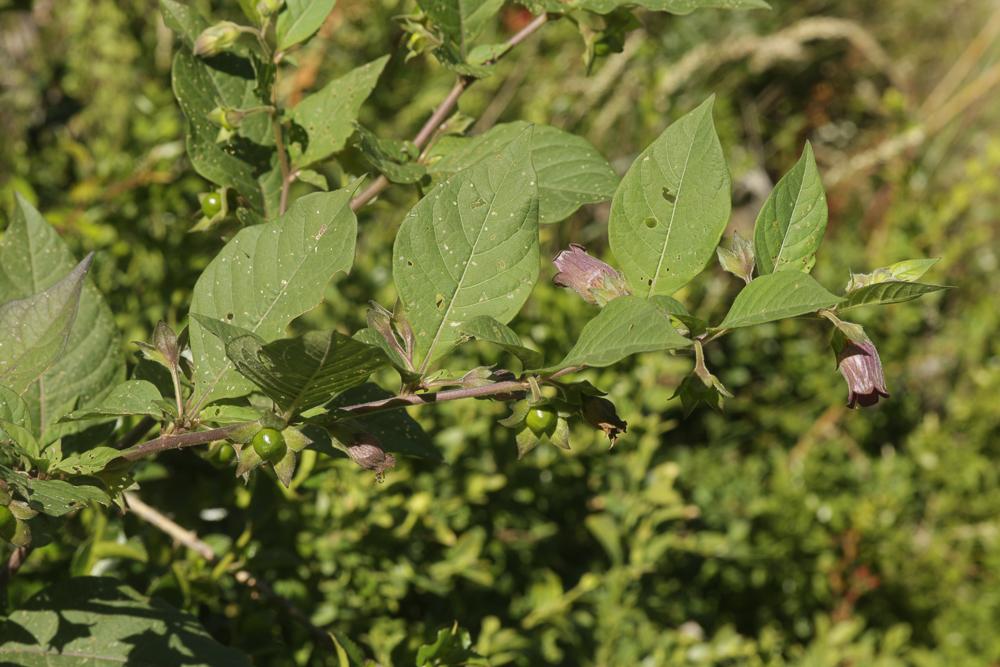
x,y
328,116
777,296
672,206
266,276
469,248
790,225
570,171
627,325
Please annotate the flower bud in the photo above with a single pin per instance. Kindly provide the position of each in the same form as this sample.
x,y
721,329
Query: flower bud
x,y
217,38
859,363
588,276
367,452
601,413
269,7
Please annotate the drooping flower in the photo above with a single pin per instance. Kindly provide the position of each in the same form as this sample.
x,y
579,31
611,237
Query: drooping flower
x,y
367,452
601,413
588,276
217,38
859,363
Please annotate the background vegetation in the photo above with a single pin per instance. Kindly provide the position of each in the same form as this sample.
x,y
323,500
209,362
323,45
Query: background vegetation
x,y
787,531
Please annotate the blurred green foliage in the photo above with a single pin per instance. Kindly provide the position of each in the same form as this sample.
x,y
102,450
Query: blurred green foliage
x,y
788,530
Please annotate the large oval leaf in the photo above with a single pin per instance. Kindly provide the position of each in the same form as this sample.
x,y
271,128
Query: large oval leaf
x,y
469,248
777,296
265,277
791,223
32,259
672,206
99,621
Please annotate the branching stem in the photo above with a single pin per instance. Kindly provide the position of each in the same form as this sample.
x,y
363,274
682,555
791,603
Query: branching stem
x,y
444,109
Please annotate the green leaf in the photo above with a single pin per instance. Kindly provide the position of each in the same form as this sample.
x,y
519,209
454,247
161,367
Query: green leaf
x,y
37,327
99,621
54,497
89,462
487,329
13,409
906,271
672,206
777,296
893,291
672,6
627,325
459,22
200,85
19,437
569,169
302,372
184,21
265,277
469,248
133,397
398,432
32,259
390,158
328,116
453,646
300,19
790,225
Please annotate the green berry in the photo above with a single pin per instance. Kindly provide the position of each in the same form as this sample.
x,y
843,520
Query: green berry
x,y
8,524
269,445
541,420
224,454
211,204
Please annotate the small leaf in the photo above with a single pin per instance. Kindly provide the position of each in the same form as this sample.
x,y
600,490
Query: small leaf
x,y
883,293
627,325
133,397
569,169
88,463
487,329
328,116
469,248
458,23
54,497
300,19
36,328
672,206
13,409
100,621
906,271
390,158
266,276
201,86
790,225
777,296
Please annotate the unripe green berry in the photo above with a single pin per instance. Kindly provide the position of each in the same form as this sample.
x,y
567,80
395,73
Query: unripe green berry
x,y
211,204
541,420
269,445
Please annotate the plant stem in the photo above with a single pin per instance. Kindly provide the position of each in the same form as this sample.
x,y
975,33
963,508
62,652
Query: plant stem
x,y
179,441
190,540
14,563
286,170
444,109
